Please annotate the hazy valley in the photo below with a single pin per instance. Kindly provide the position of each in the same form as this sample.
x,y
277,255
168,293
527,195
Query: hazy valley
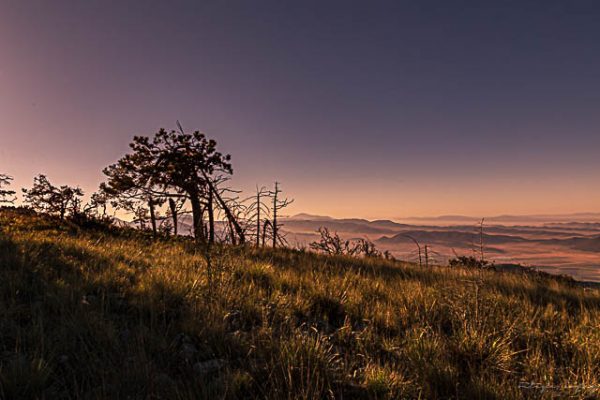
x,y
563,244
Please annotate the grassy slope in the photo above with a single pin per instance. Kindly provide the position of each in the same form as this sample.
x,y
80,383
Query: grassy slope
x,y
91,314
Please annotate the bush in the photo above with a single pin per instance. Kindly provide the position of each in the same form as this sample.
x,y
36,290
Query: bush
x,y
468,262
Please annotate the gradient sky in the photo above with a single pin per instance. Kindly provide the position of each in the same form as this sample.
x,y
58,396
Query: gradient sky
x,y
365,109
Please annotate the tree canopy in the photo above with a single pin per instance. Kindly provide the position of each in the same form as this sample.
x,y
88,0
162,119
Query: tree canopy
x,y
45,197
176,164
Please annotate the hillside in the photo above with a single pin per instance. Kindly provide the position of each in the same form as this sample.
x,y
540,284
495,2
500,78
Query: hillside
x,y
100,313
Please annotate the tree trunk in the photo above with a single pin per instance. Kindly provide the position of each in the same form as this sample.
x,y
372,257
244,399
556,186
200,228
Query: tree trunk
x,y
211,218
173,208
258,219
264,233
230,216
228,213
275,216
233,240
197,217
152,216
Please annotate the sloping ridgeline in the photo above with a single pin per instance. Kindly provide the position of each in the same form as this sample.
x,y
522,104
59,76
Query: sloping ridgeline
x,y
110,313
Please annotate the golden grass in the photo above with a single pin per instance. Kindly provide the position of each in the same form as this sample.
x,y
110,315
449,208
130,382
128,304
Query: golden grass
x,y
92,313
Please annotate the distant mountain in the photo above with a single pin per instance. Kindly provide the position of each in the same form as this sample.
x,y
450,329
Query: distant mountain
x,y
582,220
591,244
308,223
388,223
346,226
448,238
513,219
442,218
309,217
583,226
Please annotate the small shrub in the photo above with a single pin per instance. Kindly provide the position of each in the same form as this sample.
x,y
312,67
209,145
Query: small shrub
x,y
468,262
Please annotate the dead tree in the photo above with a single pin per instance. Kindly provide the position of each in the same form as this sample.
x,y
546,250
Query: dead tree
x,y
255,211
332,244
267,224
231,210
278,204
418,248
259,205
367,248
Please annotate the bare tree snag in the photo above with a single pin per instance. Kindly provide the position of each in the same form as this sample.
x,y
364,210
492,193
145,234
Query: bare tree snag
x,y
418,248
278,205
238,229
264,232
258,193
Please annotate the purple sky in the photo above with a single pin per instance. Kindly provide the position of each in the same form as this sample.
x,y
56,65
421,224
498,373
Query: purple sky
x,y
367,109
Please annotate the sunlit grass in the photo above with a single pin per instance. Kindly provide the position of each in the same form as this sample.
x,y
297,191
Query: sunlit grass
x,y
92,313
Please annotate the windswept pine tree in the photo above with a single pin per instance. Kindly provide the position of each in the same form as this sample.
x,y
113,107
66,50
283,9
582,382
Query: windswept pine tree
x,y
45,197
177,165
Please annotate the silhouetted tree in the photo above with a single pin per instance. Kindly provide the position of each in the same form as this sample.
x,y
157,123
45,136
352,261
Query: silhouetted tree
x,y
418,249
45,197
468,262
278,204
6,196
256,211
132,188
234,217
367,248
176,164
267,224
332,244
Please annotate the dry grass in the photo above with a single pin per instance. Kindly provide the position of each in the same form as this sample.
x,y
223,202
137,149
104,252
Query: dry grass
x,y
89,314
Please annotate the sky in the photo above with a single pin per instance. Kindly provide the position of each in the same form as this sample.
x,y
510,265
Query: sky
x,y
373,109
